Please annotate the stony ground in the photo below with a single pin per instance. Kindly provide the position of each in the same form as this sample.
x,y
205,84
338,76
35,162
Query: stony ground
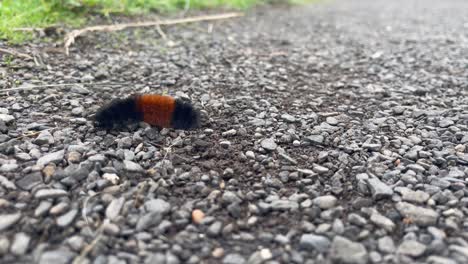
x,y
333,133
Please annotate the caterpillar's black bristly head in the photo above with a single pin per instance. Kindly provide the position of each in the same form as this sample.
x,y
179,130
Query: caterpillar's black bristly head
x,y
118,112
185,116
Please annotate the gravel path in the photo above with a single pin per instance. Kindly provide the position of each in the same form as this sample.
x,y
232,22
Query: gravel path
x,y
333,133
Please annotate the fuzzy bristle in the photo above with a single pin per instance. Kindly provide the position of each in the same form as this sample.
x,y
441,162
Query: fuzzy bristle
x,y
185,116
118,112
157,110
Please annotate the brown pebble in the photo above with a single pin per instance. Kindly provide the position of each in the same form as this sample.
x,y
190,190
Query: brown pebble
x,y
197,216
4,203
49,170
110,229
59,208
74,157
217,252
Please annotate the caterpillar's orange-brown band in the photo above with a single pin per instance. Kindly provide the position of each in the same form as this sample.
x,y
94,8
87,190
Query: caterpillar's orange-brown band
x,y
157,109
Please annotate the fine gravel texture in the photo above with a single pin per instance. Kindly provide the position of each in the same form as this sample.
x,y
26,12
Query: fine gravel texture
x,y
331,133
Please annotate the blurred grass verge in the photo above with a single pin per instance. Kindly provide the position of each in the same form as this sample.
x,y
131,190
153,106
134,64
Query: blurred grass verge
x,y
30,14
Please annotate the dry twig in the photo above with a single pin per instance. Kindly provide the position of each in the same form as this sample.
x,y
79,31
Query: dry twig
x,y
39,31
98,235
70,37
161,32
84,210
16,53
61,85
27,87
32,134
80,258
28,29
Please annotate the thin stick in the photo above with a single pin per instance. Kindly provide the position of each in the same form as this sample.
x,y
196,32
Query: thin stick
x,y
32,134
98,235
37,86
56,85
28,29
161,32
169,149
186,7
79,259
70,37
16,53
84,211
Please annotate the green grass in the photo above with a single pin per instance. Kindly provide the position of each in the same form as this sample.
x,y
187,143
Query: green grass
x,y
42,13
